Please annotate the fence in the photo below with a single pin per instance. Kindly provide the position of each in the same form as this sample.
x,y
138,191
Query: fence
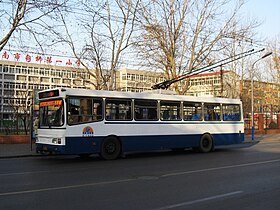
x,y
264,123
14,127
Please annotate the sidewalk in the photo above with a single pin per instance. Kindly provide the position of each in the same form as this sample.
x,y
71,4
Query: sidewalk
x,y
17,150
24,150
263,138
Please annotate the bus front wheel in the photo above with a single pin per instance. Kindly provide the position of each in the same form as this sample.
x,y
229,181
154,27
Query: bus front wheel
x,y
206,143
111,148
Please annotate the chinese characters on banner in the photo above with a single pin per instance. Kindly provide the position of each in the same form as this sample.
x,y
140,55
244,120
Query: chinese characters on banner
x,y
28,58
5,55
17,56
39,58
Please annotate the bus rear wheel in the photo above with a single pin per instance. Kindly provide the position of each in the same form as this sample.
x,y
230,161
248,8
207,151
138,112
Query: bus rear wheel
x,y
111,148
206,143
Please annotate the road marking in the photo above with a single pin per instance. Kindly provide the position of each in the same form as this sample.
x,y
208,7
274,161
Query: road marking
x,y
66,187
24,173
199,200
219,168
128,180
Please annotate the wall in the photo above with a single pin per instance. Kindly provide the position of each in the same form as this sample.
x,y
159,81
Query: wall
x,y
15,139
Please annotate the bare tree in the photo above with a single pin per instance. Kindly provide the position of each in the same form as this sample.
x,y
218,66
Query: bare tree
x,y
180,36
20,104
106,29
18,17
273,65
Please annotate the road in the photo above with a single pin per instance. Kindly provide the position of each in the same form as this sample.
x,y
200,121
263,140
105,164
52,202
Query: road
x,y
247,178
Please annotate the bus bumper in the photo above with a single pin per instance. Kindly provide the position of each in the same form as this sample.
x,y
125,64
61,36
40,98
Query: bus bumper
x,y
50,149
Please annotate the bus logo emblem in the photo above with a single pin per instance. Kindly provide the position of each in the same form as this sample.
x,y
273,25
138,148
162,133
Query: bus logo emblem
x,y
88,131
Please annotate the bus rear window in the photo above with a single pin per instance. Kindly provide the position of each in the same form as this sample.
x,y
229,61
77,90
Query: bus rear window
x,y
231,112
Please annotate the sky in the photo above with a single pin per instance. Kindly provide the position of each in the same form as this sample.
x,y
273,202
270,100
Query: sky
x,y
268,13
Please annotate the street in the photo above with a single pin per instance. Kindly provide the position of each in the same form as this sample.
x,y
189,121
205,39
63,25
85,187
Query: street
x,y
246,178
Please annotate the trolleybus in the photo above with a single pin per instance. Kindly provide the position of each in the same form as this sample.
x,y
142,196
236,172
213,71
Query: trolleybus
x,y
111,123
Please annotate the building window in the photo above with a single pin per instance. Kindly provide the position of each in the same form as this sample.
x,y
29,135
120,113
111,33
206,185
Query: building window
x,y
34,79
55,80
9,76
5,68
21,78
45,79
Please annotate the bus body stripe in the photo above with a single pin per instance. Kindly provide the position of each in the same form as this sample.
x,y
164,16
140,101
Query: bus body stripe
x,y
160,122
92,144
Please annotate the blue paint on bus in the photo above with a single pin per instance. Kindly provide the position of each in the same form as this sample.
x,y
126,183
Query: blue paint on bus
x,y
92,145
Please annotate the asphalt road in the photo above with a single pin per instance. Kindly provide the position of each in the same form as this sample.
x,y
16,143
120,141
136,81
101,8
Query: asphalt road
x,y
247,178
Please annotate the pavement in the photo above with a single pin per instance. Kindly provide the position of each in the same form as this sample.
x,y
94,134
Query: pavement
x,y
17,150
29,150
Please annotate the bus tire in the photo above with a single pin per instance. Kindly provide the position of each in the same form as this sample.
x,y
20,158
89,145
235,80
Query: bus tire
x,y
206,143
111,148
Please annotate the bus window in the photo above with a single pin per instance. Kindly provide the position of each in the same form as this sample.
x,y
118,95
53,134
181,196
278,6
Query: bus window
x,y
231,112
85,110
212,112
145,110
51,113
97,109
82,110
192,111
73,106
170,110
118,109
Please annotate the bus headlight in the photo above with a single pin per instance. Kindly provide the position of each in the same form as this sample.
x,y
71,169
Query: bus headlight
x,y
56,140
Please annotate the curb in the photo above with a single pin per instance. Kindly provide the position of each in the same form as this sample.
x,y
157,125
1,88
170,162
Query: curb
x,y
18,156
263,141
251,142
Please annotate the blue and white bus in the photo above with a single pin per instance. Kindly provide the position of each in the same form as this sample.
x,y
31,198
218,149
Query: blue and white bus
x,y
111,123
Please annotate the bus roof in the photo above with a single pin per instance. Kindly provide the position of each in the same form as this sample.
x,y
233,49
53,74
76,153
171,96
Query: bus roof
x,y
156,95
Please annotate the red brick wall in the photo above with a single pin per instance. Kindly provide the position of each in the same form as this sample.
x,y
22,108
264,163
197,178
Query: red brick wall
x,y
15,139
261,129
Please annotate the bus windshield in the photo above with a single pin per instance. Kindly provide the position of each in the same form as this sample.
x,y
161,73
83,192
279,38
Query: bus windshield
x,y
51,113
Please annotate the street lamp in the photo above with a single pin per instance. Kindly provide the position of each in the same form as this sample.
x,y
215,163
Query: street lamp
x,y
252,92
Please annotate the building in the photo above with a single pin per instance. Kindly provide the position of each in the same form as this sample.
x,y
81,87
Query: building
x,y
19,79
137,80
266,96
219,84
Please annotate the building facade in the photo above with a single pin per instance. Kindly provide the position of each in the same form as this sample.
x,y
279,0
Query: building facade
x,y
18,80
266,96
215,84
137,80
218,84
